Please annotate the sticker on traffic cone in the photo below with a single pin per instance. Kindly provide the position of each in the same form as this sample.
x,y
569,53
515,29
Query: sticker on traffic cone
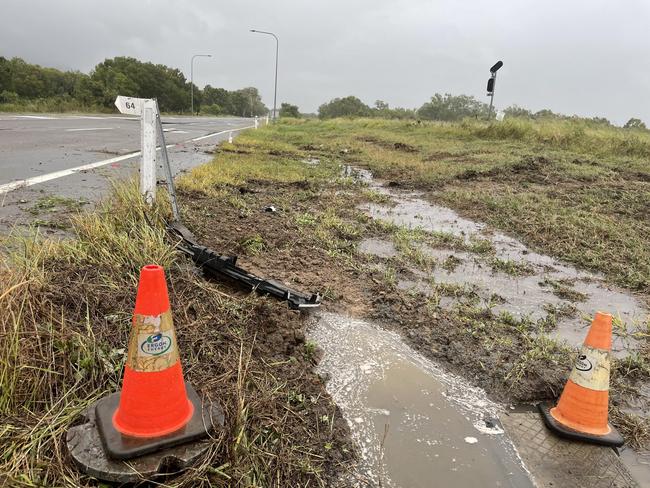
x,y
582,411
155,410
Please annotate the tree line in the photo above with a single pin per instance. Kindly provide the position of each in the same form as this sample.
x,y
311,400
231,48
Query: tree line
x,y
446,107
22,82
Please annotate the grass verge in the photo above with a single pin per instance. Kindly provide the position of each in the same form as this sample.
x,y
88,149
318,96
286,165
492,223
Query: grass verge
x,y
574,191
65,322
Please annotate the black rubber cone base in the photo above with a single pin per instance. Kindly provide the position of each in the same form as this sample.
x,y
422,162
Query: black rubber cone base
x,y
120,446
612,439
88,451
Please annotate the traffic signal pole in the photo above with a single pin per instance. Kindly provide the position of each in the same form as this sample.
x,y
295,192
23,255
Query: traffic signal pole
x,y
491,85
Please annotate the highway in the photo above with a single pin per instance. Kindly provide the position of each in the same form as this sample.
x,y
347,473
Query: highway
x,y
76,156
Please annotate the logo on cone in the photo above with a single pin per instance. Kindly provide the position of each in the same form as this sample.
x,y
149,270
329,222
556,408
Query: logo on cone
x,y
582,410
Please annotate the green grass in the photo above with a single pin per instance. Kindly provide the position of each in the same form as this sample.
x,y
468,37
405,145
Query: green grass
x,y
565,290
513,268
52,105
569,189
253,157
56,203
253,245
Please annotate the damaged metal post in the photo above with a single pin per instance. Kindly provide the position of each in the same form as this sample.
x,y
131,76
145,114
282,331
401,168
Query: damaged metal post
x,y
219,266
171,188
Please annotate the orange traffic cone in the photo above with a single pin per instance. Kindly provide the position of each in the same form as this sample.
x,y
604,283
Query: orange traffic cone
x,y
155,409
154,401
582,411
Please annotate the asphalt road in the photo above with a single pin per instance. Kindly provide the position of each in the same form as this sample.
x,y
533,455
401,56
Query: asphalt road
x,y
76,156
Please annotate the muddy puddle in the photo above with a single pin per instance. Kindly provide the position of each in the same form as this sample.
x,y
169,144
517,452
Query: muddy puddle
x,y
414,425
543,286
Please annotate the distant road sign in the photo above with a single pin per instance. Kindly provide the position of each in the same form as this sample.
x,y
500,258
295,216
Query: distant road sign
x,y
130,105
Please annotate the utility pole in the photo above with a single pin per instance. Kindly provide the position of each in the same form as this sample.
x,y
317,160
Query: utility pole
x,y
277,50
192,77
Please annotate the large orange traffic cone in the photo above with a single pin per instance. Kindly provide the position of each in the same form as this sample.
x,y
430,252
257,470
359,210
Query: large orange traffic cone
x,y
154,401
155,408
582,411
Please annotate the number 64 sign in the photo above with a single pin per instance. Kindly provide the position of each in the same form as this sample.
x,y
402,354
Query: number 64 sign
x,y
129,105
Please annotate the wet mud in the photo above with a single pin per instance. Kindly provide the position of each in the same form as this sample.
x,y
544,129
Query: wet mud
x,y
546,286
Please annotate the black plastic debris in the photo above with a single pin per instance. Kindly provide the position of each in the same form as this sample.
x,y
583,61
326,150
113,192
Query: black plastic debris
x,y
219,266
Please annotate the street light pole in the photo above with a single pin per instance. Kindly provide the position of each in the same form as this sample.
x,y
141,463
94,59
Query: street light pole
x,y
277,49
192,76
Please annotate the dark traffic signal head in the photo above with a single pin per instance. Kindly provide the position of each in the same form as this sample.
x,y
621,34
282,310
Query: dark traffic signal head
x,y
490,87
496,67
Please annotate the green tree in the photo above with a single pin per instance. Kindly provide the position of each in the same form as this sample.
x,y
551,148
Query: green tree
x,y
517,111
380,105
218,96
130,77
248,102
288,110
450,107
383,110
344,107
545,113
634,123
213,109
62,90
5,75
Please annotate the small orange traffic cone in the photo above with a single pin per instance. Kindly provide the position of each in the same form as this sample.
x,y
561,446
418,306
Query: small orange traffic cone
x,y
154,401
582,411
155,408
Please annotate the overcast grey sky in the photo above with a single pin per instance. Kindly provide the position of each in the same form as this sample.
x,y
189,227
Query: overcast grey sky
x,y
588,57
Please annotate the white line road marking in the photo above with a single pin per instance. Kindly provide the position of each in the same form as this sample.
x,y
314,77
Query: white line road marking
x,y
222,132
14,185
39,117
106,117
70,117
89,128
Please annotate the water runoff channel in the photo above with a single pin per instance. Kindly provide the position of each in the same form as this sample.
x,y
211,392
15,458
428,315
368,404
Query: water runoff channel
x,y
416,425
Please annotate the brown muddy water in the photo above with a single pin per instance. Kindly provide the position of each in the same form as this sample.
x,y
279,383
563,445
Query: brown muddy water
x,y
541,290
415,425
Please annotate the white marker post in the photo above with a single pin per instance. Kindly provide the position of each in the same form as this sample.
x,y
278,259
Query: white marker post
x,y
146,109
148,167
256,122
